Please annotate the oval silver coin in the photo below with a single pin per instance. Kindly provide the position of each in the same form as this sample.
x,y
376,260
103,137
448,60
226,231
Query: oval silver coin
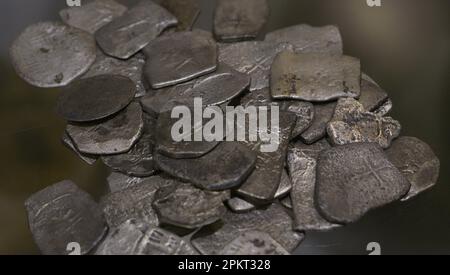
x,y
95,98
52,54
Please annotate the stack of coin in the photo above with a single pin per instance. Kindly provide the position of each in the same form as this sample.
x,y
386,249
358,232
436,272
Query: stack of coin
x,y
124,70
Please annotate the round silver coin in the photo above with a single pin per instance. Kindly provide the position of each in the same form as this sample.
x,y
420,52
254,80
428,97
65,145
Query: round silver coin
x,y
51,54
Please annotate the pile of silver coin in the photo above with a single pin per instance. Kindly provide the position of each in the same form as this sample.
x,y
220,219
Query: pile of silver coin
x,y
122,70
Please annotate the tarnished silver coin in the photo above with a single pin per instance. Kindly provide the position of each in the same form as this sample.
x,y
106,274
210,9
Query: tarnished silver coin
x,y
303,110
62,214
385,108
255,243
323,113
238,205
417,162
187,148
113,136
308,39
254,58
186,206
214,89
315,77
135,237
119,182
372,96
139,160
354,179
134,202
274,221
285,185
92,16
352,124
130,33
67,141
52,54
236,20
186,11
95,98
179,57
303,174
262,185
226,167
131,68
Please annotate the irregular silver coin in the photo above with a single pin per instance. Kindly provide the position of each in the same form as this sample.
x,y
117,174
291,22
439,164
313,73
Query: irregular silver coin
x,y
62,214
354,179
385,109
134,237
308,39
179,57
285,185
188,147
254,243
92,16
323,113
186,206
38,52
186,11
226,167
139,160
113,136
352,124
262,185
130,33
372,96
417,162
131,68
236,20
303,174
95,98
315,77
134,203
214,89
238,205
303,110
254,58
275,221
67,141
119,182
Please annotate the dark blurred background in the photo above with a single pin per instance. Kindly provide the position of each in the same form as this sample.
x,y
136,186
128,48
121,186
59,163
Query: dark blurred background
x,y
404,45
